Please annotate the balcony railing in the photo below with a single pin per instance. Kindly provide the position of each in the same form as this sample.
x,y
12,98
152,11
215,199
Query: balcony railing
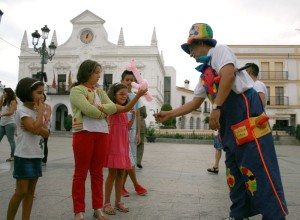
x,y
274,75
278,100
57,91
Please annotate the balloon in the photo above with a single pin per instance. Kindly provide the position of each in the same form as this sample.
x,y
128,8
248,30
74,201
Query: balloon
x,y
142,83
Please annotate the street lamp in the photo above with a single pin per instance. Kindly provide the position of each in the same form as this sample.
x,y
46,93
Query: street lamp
x,y
45,55
1,13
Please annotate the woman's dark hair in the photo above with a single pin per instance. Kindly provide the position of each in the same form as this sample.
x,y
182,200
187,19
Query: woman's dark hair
x,y
86,69
113,89
25,87
9,97
45,97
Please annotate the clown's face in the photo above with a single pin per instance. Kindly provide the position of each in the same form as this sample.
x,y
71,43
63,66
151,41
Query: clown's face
x,y
198,49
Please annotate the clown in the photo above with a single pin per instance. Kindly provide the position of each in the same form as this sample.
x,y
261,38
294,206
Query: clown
x,y
234,100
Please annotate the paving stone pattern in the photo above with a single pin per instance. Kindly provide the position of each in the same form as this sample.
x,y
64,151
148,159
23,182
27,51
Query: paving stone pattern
x,y
174,174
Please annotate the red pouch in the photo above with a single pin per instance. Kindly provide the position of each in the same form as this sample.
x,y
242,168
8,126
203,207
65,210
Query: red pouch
x,y
242,132
249,129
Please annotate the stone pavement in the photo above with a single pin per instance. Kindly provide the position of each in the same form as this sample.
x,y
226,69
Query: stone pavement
x,y
174,174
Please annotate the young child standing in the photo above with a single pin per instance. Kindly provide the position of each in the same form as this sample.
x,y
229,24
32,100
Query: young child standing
x,y
134,136
118,156
28,153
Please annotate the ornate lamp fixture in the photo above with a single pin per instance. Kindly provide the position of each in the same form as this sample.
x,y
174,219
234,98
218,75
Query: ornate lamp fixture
x,y
45,55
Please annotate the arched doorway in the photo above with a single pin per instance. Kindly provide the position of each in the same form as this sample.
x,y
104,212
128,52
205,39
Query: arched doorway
x,y
182,122
60,113
198,123
191,122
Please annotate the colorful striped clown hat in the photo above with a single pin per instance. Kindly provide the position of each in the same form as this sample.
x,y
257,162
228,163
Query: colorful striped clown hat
x,y
199,32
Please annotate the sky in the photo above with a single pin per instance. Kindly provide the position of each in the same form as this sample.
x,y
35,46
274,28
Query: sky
x,y
234,22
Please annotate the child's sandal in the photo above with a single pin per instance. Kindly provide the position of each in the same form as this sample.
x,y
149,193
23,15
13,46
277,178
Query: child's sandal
x,y
99,215
120,207
107,209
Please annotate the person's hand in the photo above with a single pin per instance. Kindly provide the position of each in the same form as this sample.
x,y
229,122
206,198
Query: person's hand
x,y
214,119
138,139
40,107
162,116
141,92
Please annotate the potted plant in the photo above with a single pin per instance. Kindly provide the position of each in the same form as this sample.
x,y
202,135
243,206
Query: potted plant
x,y
150,135
68,122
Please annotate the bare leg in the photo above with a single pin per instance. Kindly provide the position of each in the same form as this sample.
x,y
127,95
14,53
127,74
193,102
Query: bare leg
x,y
24,192
28,200
215,168
132,176
218,155
119,184
125,177
109,183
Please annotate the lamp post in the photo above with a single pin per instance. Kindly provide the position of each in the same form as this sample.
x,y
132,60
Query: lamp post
x,y
45,55
1,13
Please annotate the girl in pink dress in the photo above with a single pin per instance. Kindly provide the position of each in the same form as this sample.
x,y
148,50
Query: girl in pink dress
x,y
118,153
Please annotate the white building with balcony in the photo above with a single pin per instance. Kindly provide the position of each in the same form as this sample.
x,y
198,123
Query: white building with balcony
x,y
279,70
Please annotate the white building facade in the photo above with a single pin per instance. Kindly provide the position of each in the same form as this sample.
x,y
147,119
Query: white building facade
x,y
279,70
89,40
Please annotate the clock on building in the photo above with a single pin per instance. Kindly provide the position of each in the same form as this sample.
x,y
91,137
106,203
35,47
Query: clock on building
x,y
86,36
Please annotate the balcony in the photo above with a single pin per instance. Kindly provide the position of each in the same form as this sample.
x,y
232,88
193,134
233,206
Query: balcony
x,y
274,75
58,91
278,100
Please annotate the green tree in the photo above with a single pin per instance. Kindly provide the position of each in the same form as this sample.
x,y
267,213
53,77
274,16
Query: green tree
x,y
171,123
68,122
206,120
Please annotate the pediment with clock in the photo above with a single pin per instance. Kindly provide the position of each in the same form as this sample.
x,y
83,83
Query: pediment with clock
x,y
88,30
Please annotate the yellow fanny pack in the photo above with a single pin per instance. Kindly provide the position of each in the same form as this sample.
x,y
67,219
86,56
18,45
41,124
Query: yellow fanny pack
x,y
251,128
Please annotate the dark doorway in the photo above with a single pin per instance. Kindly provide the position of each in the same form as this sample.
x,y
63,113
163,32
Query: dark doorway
x,y
60,114
282,124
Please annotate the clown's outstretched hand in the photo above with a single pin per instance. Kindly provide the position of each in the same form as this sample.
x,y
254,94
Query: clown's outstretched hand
x,y
162,116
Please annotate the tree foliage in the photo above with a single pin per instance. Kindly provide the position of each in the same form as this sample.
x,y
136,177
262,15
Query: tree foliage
x,y
68,122
171,123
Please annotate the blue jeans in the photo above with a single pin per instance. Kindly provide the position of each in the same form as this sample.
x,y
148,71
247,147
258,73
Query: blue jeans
x,y
9,130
